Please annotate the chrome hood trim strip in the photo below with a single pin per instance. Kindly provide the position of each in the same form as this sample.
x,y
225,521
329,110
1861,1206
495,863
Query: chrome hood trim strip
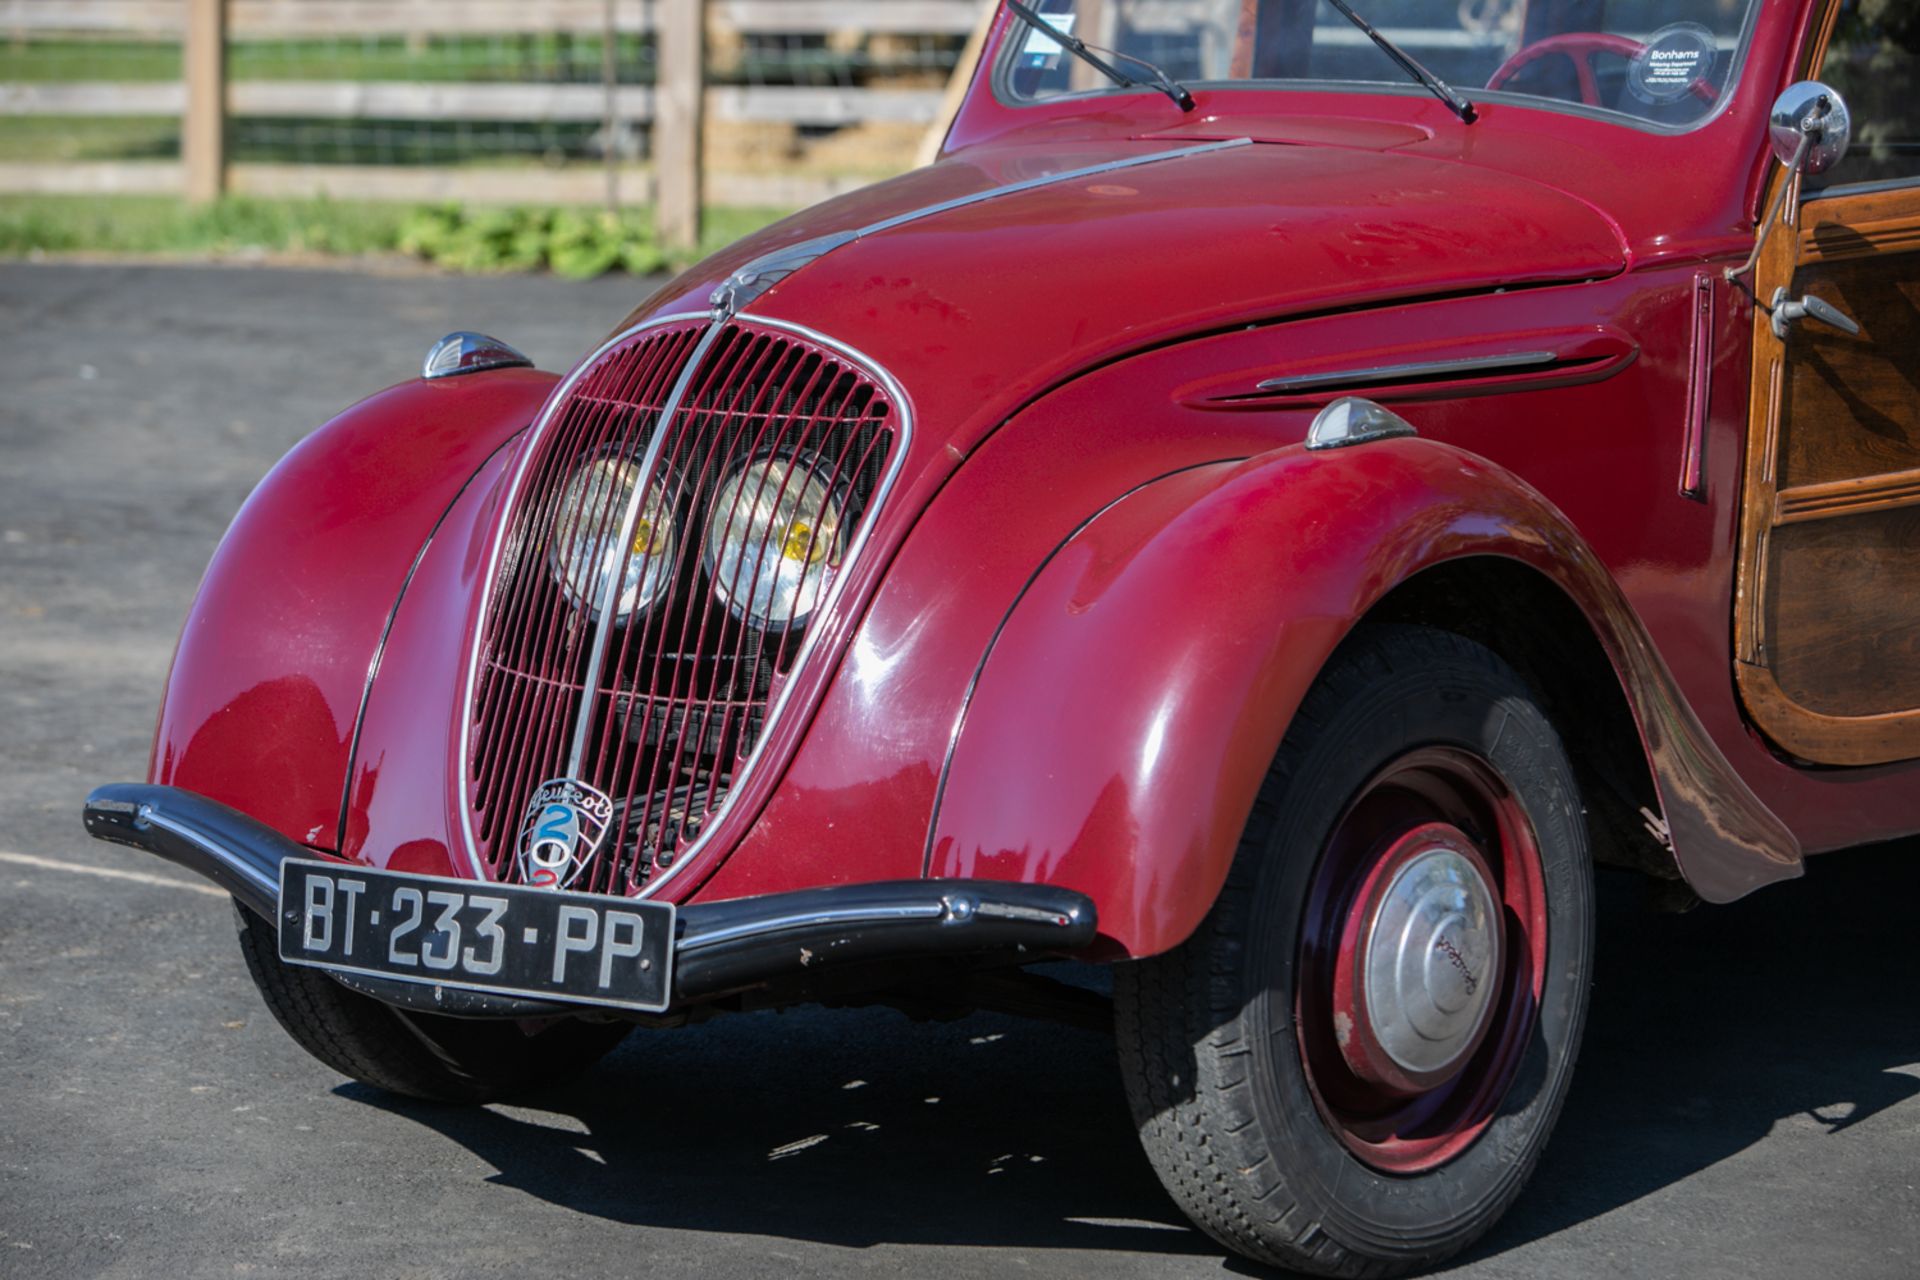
x,y
741,288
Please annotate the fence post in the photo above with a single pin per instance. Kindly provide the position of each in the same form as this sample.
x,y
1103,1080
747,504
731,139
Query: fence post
x,y
203,128
610,113
679,109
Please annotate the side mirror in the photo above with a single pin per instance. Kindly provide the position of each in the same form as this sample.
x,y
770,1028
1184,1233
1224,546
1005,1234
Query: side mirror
x,y
1809,127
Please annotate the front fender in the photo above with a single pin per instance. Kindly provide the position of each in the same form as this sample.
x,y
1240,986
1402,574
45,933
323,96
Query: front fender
x,y
1120,726
279,646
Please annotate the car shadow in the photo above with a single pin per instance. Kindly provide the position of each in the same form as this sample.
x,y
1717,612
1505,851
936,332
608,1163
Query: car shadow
x,y
850,1127
1709,1028
858,1127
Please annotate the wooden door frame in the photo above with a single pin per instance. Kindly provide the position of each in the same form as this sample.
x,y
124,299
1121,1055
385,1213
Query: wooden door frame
x,y
1879,221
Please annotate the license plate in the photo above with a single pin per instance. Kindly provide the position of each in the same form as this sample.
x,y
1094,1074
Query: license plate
x,y
504,939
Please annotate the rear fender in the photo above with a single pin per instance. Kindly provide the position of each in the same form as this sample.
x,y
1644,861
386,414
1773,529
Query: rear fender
x,y
280,644
1121,724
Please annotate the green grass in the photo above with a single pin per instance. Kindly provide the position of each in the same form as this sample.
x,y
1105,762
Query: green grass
x,y
112,60
69,139
165,225
574,242
519,59
577,242
76,138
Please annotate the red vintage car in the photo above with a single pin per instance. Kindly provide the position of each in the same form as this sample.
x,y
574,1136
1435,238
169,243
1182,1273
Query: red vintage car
x,y
1281,500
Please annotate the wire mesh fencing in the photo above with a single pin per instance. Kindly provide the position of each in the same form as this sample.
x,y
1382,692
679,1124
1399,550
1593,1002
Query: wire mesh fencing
x,y
53,107
528,99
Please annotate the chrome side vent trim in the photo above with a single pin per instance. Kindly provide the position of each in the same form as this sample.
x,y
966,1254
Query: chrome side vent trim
x,y
1373,377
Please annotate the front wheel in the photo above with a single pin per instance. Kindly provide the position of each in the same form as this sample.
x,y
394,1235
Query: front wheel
x,y
1353,1065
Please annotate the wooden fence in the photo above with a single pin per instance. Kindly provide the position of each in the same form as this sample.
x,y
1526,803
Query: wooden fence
x,y
167,19
674,108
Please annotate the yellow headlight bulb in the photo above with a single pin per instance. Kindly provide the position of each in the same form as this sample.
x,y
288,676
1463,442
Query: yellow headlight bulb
x,y
773,539
586,555
802,545
648,539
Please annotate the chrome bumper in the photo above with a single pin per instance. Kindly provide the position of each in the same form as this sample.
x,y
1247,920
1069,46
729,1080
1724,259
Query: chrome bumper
x,y
793,939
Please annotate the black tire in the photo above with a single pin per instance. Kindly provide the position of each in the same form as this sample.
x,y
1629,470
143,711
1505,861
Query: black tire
x,y
416,1055
1218,1067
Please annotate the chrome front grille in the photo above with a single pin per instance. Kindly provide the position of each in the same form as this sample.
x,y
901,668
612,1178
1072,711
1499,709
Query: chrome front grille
x,y
684,692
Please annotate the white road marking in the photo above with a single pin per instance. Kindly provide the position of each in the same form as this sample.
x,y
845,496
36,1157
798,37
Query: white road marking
x,y
111,873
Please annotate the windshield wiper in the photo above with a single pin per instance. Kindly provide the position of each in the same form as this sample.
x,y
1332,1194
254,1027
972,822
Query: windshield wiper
x,y
1441,89
1156,78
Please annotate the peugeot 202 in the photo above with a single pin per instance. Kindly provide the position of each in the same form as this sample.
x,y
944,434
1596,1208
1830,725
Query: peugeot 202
x,y
1288,493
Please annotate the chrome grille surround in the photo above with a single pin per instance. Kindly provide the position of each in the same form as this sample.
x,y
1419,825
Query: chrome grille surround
x,y
721,384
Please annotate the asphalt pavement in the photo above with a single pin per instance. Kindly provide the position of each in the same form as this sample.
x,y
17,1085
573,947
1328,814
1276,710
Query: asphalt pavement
x,y
1745,1106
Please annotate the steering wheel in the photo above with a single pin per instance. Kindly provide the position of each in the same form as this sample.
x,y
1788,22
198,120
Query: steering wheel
x,y
1581,46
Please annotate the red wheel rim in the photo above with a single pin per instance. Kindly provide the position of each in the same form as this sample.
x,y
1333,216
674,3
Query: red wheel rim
x,y
1439,814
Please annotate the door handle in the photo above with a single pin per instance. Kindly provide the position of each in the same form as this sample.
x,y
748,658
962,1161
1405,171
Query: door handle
x,y
1786,310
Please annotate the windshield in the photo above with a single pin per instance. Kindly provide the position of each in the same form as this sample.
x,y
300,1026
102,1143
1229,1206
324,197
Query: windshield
x,y
1660,62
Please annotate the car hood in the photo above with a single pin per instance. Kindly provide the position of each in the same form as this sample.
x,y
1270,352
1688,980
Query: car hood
x,y
978,299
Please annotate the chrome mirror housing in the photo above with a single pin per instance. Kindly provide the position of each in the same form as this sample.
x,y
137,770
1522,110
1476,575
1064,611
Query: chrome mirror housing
x,y
1809,127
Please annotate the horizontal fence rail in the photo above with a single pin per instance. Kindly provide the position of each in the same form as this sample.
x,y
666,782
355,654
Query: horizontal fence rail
x,y
166,19
454,100
484,185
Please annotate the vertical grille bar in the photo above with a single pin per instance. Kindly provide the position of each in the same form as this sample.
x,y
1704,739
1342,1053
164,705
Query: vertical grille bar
x,y
684,692
533,644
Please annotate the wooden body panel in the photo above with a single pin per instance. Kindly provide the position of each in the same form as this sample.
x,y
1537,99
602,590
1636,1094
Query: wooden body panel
x,y
1852,408
1852,644
1828,628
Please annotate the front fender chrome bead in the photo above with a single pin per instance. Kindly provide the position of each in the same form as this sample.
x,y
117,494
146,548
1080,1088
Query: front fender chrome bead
x,y
466,352
1352,420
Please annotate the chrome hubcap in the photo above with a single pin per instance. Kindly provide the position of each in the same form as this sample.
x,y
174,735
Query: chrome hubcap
x,y
1425,965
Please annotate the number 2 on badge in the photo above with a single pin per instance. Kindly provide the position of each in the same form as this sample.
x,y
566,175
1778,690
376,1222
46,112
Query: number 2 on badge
x,y
555,824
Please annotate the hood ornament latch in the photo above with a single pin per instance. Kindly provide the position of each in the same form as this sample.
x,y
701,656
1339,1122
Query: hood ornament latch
x,y
732,295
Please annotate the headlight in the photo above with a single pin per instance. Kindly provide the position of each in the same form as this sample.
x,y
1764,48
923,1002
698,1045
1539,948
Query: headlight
x,y
585,529
772,542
